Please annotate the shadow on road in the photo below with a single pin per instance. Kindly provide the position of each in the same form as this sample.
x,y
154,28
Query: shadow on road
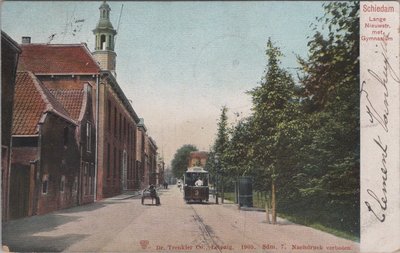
x,y
88,207
23,235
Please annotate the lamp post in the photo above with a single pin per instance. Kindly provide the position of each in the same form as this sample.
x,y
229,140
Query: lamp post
x,y
216,177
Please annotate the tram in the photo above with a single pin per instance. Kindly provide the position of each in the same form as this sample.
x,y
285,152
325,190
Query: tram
x,y
195,184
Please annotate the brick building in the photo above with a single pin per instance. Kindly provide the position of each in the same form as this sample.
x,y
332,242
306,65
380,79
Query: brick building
x,y
9,60
116,140
146,157
70,74
151,154
106,148
198,158
45,155
77,99
160,170
118,121
69,67
142,175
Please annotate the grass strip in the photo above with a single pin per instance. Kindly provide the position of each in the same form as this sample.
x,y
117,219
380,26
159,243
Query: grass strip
x,y
260,203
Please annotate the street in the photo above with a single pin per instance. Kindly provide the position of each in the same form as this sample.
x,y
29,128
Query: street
x,y
122,224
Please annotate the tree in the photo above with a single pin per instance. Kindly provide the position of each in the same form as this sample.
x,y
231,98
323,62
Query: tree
x,y
238,151
222,134
330,80
274,106
181,159
220,146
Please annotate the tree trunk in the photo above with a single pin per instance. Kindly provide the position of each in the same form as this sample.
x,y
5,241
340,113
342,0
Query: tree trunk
x,y
267,213
222,192
273,203
236,192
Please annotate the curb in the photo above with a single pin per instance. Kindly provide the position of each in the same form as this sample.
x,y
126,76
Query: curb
x,y
254,209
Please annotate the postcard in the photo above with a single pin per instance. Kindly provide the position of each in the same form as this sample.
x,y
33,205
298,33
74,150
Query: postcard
x,y
191,126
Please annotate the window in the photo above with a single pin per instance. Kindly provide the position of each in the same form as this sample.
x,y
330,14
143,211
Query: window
x,y
108,160
66,136
115,121
142,142
90,186
133,137
120,126
88,137
124,128
45,184
103,42
109,115
129,137
115,162
92,174
109,42
75,185
91,171
62,183
120,163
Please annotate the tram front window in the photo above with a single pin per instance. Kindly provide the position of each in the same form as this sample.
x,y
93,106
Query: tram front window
x,y
192,178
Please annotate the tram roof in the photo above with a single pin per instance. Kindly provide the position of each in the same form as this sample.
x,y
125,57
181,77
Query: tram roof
x,y
197,169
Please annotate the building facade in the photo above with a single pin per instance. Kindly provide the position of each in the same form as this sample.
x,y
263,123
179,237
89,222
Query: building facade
x,y
45,155
79,140
116,140
70,74
142,175
160,170
77,99
151,151
9,61
118,122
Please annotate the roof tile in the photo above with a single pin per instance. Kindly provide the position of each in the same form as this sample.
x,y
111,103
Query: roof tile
x,y
57,59
32,99
71,99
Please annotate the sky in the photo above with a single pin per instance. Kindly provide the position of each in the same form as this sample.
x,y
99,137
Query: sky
x,y
178,62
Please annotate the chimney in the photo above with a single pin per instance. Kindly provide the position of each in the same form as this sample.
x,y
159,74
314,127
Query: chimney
x,y
26,40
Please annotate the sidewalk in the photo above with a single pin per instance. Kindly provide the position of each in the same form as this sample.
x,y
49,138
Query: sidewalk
x,y
125,195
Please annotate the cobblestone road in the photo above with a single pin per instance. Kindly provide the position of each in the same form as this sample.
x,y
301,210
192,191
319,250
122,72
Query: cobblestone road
x,y
124,225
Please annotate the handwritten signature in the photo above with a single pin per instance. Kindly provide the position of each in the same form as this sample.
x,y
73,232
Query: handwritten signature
x,y
381,117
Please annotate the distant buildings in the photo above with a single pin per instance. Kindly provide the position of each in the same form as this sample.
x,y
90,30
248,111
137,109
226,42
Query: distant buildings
x,y
75,136
198,158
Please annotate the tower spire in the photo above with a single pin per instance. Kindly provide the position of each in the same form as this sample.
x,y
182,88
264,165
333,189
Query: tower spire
x,y
104,39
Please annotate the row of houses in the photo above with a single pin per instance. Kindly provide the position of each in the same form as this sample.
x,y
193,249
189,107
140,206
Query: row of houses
x,y
70,136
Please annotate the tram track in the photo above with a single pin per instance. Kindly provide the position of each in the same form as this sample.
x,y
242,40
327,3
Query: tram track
x,y
205,231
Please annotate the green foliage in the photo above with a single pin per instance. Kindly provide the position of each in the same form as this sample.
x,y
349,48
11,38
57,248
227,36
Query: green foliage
x,y
304,138
239,149
274,112
329,161
181,159
221,143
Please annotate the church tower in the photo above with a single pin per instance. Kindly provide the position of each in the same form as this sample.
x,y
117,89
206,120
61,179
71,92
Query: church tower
x,y
104,45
